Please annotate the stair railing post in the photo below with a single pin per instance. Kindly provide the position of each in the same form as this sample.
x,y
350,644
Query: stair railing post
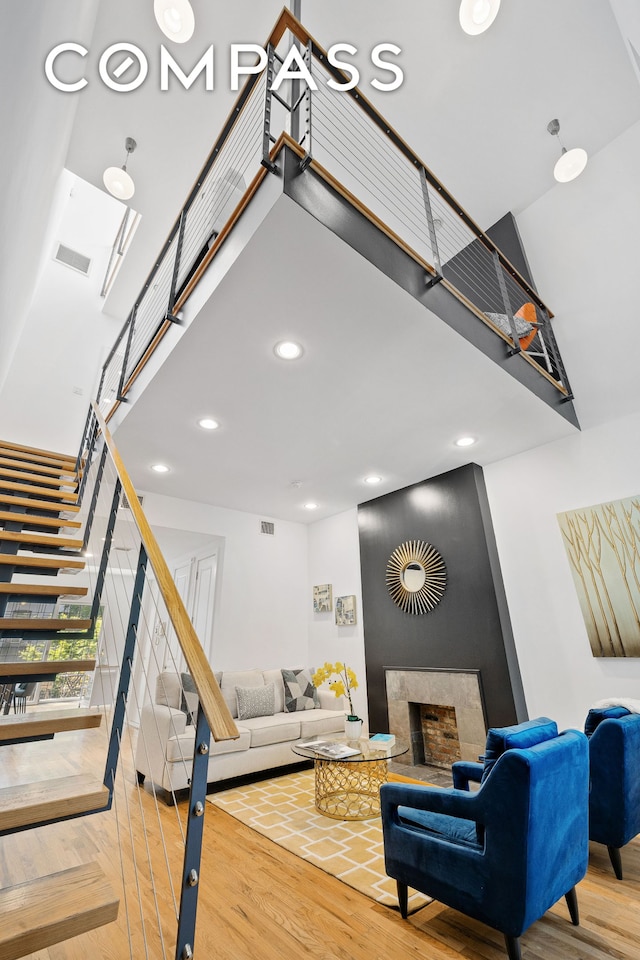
x,y
266,160
193,845
94,497
306,137
106,550
85,434
127,350
92,436
516,348
117,724
176,269
433,239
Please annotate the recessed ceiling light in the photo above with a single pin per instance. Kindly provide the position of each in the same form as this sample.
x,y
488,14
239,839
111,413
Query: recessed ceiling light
x,y
288,350
372,480
476,16
175,18
207,423
311,506
160,468
465,441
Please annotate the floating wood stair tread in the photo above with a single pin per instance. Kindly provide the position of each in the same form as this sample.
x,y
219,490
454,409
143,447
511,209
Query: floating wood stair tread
x,y
41,590
29,668
13,501
54,624
36,478
37,452
41,539
24,726
37,467
41,912
33,803
26,564
37,491
32,520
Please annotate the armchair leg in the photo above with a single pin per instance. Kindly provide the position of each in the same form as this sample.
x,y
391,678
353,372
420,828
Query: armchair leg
x,y
513,947
616,861
572,902
403,899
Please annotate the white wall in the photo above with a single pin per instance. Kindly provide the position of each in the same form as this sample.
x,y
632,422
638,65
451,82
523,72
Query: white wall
x,y
561,677
334,557
262,609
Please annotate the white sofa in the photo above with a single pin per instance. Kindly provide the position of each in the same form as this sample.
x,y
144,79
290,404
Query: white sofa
x,y
165,745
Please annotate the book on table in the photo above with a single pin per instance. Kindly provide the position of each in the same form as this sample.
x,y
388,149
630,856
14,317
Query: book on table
x,y
383,740
330,749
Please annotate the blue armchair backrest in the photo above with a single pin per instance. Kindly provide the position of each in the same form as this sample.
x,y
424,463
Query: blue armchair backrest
x,y
614,799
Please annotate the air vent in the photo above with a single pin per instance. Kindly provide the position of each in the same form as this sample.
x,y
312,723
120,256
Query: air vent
x,y
266,526
71,258
124,503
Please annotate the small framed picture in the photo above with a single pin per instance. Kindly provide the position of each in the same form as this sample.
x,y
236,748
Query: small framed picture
x,y
322,598
346,611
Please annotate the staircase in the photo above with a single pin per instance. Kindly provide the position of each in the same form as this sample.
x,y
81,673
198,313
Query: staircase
x,y
38,503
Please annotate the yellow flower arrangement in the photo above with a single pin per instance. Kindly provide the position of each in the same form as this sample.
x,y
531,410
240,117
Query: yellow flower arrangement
x,y
345,682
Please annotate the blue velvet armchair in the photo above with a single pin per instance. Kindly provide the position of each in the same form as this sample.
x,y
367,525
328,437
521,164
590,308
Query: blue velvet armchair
x,y
614,798
507,852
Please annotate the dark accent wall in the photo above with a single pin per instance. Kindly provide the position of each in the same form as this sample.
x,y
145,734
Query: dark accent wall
x,y
470,628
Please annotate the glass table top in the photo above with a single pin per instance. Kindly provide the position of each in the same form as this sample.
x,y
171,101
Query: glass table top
x,y
348,751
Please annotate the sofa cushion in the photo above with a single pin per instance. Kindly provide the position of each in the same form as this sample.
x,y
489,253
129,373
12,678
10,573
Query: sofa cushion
x,y
275,677
519,737
181,748
299,691
238,678
319,722
255,701
169,690
276,729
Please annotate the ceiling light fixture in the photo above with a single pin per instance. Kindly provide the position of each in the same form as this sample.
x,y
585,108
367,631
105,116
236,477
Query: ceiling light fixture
x,y
288,350
116,179
160,468
175,18
311,506
571,162
465,441
208,423
476,16
373,480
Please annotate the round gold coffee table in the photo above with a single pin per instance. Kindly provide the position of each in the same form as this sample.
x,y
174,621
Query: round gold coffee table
x,y
348,787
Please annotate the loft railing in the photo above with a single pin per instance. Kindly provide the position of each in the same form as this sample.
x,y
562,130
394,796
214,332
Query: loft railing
x,y
345,140
132,583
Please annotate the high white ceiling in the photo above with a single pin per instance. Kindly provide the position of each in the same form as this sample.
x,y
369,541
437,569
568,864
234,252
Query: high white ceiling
x,y
476,111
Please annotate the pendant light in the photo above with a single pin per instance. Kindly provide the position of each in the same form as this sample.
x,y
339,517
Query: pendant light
x,y
175,18
476,16
116,179
571,163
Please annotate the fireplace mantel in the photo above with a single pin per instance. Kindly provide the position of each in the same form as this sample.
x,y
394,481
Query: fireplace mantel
x,y
460,689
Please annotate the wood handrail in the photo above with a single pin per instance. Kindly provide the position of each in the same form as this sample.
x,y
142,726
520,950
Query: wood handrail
x,y
213,703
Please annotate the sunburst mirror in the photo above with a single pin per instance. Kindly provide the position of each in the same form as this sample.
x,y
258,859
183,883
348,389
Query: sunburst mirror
x,y
416,576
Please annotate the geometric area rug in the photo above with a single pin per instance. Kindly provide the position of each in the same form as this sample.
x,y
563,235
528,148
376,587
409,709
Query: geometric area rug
x,y
283,810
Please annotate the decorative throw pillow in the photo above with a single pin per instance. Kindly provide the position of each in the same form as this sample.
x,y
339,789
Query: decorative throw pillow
x,y
299,691
256,701
597,714
519,736
188,697
501,321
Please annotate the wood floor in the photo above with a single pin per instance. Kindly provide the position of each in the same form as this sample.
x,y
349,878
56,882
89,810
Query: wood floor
x,y
259,902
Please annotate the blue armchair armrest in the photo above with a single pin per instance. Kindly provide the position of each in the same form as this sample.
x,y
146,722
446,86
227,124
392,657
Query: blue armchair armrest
x,y
465,772
451,802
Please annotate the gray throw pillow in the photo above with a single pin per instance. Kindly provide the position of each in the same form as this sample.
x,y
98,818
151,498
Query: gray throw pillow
x,y
256,701
299,691
501,321
189,700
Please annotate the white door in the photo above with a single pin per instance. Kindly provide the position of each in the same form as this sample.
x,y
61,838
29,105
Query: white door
x,y
183,574
203,601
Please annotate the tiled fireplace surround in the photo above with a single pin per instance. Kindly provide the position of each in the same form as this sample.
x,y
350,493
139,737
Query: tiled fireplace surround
x,y
460,689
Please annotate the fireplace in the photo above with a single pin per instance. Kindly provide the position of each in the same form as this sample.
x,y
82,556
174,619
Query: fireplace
x,y
440,713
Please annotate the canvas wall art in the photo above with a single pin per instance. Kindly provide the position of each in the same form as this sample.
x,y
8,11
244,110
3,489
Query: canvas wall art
x,y
603,549
346,611
322,598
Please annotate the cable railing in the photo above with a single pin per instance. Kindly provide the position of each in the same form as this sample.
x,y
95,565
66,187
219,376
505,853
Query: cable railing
x,y
146,634
349,143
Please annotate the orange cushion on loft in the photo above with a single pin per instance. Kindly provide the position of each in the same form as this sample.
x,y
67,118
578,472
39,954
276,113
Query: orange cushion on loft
x,y
527,312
